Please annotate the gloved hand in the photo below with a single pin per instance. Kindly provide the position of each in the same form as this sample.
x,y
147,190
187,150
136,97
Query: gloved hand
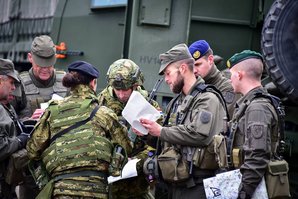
x,y
23,138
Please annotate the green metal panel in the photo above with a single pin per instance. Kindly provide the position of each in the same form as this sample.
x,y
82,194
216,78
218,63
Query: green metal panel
x,y
99,33
229,26
146,42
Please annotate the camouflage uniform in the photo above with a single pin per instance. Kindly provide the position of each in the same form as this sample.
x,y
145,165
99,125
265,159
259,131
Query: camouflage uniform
x,y
86,148
121,75
255,125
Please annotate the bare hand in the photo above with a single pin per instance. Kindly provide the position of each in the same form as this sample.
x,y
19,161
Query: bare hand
x,y
37,114
153,127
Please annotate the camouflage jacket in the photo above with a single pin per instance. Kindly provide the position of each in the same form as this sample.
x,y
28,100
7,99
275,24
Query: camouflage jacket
x,y
101,129
134,187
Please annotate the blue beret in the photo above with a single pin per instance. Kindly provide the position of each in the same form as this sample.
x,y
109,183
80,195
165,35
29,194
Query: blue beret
x,y
198,49
239,57
84,67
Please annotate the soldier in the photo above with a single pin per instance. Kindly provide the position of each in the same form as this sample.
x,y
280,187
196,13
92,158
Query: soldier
x,y
75,138
124,76
255,121
10,140
42,80
192,119
205,67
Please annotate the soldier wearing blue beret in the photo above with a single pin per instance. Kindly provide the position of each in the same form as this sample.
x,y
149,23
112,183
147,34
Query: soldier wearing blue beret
x,y
206,68
254,122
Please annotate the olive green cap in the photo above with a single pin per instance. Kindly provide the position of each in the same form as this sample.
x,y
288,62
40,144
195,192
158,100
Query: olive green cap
x,y
239,57
7,68
177,53
43,51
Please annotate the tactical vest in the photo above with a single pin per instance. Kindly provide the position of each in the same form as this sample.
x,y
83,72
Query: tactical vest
x,y
80,147
203,158
235,153
35,95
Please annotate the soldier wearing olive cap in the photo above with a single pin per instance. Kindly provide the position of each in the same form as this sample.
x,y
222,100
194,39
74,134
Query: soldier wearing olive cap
x,y
11,140
42,80
206,68
193,118
124,76
254,125
75,139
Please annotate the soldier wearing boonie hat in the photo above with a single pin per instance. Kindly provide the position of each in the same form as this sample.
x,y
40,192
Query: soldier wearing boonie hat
x,y
206,68
255,121
190,115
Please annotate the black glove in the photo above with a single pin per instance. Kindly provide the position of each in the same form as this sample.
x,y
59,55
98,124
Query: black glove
x,y
23,138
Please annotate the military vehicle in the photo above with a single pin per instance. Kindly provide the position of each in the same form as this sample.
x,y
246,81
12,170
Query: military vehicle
x,y
102,31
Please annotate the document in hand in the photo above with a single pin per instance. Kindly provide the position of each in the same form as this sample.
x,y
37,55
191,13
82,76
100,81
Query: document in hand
x,y
225,186
129,170
136,108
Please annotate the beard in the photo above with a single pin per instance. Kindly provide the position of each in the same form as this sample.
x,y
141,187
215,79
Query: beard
x,y
179,84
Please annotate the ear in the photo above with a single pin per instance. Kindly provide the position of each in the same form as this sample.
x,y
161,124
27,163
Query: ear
x,y
239,75
29,56
93,84
182,68
210,59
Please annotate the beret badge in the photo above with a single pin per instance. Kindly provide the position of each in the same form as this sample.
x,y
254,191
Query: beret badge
x,y
196,54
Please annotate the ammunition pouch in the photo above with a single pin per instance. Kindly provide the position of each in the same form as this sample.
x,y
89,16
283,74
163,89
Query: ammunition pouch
x,y
17,162
172,165
277,181
119,159
237,157
220,149
39,173
205,158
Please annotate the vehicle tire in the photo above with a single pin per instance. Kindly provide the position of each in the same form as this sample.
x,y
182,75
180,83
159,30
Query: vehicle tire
x,y
280,46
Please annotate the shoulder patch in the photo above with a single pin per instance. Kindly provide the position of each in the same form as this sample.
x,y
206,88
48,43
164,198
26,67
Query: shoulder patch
x,y
205,117
257,130
229,96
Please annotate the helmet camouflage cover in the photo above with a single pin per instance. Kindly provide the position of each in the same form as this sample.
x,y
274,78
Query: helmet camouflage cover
x,y
124,73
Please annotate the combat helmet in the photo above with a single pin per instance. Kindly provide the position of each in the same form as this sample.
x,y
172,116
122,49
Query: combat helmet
x,y
124,74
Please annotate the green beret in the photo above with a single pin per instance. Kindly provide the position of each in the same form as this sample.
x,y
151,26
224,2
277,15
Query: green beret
x,y
239,57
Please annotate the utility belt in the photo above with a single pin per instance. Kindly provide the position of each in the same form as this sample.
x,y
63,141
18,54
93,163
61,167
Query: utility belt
x,y
46,192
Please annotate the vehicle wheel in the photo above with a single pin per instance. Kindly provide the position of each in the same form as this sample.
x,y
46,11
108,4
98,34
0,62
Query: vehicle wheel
x,y
280,46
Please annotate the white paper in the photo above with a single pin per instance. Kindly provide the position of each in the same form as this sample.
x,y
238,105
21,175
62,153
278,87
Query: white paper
x,y
225,186
136,108
45,105
129,170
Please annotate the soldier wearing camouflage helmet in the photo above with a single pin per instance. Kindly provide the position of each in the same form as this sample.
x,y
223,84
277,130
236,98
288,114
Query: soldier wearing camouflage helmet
x,y
75,139
124,76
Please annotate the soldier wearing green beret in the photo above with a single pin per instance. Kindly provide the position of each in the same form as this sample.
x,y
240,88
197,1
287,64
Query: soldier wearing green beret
x,y
75,139
193,118
254,126
124,76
